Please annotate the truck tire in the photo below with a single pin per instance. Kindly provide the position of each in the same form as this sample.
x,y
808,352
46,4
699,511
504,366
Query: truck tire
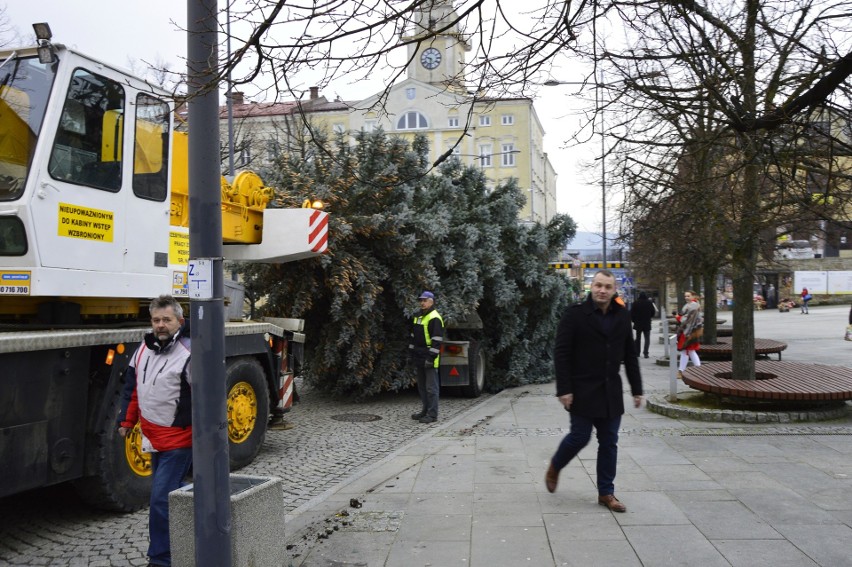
x,y
476,371
122,479
247,409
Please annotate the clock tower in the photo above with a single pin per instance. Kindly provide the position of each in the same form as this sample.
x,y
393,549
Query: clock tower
x,y
437,60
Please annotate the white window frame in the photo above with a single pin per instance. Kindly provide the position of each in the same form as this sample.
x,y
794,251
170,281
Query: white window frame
x,y
244,155
453,122
485,153
339,128
507,119
420,120
507,158
370,125
484,120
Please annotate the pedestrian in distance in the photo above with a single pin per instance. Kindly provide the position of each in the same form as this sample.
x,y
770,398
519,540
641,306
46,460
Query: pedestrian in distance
x,y
690,329
593,339
771,297
427,334
641,313
806,296
157,395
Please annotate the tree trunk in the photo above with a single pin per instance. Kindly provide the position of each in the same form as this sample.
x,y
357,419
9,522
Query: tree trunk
x,y
744,264
710,313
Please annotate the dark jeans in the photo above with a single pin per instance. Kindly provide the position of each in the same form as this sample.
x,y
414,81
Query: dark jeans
x,y
429,386
639,341
169,470
579,436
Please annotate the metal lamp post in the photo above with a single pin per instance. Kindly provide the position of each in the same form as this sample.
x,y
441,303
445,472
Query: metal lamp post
x,y
554,83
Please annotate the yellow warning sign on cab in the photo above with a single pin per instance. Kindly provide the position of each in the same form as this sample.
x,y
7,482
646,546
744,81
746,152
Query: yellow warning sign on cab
x,y
82,222
178,247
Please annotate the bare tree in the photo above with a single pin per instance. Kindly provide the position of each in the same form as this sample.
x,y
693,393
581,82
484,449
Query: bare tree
x,y
709,86
729,88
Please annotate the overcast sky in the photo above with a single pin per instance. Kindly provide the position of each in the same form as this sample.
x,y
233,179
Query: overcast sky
x,y
127,33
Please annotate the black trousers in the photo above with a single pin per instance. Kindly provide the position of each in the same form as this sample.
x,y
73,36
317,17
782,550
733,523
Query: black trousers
x,y
638,341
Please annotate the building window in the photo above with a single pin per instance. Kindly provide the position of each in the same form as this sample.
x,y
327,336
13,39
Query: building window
x,y
508,157
485,155
453,122
273,150
245,155
339,128
507,119
484,120
371,125
411,93
412,121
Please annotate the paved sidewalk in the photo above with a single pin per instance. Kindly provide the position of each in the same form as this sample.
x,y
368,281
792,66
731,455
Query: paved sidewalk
x,y
470,492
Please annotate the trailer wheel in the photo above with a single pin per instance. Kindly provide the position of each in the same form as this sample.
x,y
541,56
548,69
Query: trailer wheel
x,y
476,369
122,479
247,409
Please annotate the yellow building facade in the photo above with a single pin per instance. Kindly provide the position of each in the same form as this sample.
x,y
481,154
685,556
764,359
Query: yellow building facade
x,y
502,136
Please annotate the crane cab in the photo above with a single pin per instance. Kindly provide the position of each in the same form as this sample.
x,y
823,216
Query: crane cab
x,y
84,180
94,192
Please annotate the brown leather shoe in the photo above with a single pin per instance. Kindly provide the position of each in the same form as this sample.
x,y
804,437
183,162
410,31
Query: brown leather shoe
x,y
679,375
611,502
551,478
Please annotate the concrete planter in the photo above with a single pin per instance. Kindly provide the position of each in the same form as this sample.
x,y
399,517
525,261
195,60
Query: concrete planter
x,y
257,523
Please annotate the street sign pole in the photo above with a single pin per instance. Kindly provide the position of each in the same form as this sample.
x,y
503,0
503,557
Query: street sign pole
x,y
211,481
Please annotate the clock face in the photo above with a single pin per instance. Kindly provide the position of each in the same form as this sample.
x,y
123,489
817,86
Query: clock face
x,y
430,58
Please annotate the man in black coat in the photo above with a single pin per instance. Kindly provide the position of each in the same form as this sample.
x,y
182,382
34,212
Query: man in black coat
x,y
641,313
592,341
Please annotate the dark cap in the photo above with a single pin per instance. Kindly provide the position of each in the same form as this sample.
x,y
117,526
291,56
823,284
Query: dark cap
x,y
427,295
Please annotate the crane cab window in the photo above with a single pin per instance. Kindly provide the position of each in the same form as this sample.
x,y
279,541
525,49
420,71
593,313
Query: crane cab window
x,y
87,149
24,88
151,147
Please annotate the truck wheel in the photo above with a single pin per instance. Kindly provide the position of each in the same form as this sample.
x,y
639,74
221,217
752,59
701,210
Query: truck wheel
x,y
476,369
122,480
247,409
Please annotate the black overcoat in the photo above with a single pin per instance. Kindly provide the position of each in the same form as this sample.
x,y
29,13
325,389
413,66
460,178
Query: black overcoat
x,y
588,360
641,313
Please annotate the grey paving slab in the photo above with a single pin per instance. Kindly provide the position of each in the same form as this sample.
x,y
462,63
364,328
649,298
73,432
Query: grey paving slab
x,y
502,472
507,509
826,545
649,508
440,502
405,553
435,527
594,553
762,553
583,525
349,549
727,520
780,507
510,545
675,545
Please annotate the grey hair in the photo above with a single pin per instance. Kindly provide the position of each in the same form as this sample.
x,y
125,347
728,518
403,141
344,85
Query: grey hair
x,y
166,301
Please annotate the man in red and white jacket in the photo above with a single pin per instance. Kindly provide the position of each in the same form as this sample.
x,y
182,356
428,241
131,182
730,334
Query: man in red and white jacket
x,y
157,394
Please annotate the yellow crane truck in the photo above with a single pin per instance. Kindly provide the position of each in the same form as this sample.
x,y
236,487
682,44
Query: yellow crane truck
x,y
93,224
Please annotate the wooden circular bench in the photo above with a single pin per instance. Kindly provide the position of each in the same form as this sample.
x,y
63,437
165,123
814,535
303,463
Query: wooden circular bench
x,y
776,381
723,349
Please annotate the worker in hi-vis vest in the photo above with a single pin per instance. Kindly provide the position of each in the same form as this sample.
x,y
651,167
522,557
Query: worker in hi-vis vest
x,y
424,347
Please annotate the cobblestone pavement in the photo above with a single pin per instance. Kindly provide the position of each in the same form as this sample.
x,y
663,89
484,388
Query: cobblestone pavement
x,y
51,527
